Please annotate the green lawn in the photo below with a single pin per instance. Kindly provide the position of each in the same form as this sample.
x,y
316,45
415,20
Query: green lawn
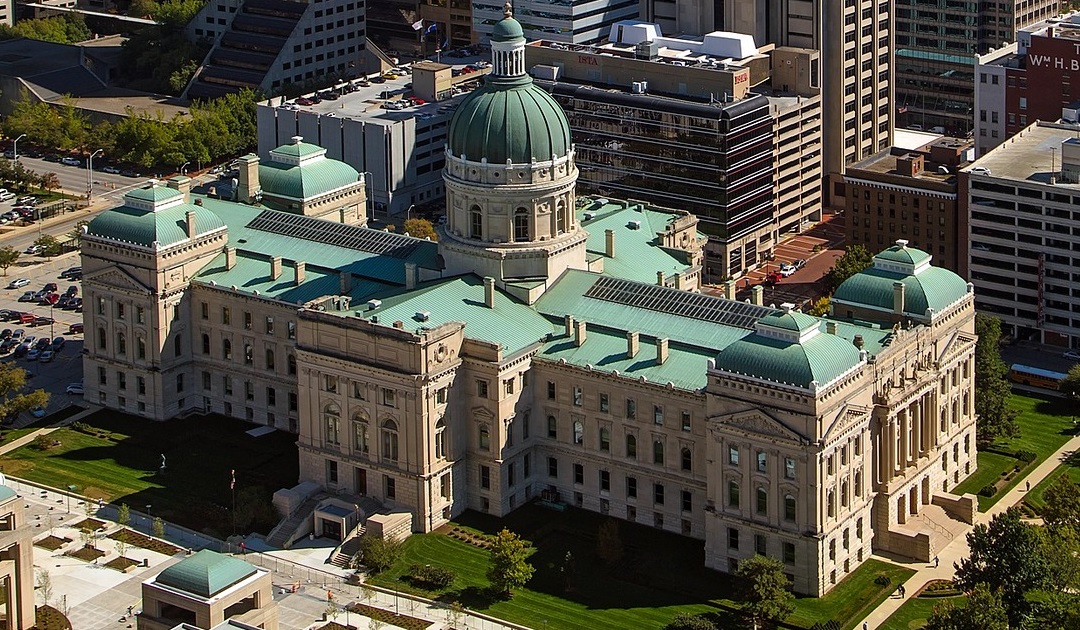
x,y
914,613
1045,424
661,574
1071,467
122,464
11,435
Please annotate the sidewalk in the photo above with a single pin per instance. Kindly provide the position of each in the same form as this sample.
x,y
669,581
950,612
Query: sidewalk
x,y
958,549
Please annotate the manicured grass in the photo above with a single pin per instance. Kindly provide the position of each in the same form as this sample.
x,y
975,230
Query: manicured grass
x,y
1071,467
120,462
10,435
914,613
1045,424
662,574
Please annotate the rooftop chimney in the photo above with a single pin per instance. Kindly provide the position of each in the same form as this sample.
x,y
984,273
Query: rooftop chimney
x,y
632,342
660,278
609,243
757,295
275,267
898,298
830,327
579,333
230,257
190,219
858,341
346,282
729,289
489,292
181,183
301,267
569,319
410,276
248,189
661,351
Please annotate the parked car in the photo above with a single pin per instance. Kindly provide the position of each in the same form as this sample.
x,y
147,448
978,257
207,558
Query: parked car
x,y
27,200
72,290
1072,354
32,354
73,329
49,299
7,196
63,301
70,161
47,356
18,334
21,350
787,270
129,173
798,264
33,249
29,296
42,343
5,314
7,345
43,321
5,334
71,271
37,412
58,343
75,389
304,101
50,287
18,283
111,169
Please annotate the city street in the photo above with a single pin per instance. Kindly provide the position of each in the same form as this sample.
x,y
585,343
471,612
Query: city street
x,y
73,178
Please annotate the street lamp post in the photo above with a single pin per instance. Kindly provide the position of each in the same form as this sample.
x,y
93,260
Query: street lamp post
x,y
71,489
15,148
90,175
184,166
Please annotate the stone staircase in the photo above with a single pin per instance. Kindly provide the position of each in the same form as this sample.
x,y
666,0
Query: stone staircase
x,y
344,553
284,533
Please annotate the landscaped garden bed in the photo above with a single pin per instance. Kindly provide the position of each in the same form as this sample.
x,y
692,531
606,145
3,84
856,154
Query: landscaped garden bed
x,y
385,616
122,564
87,553
89,524
145,542
49,618
52,543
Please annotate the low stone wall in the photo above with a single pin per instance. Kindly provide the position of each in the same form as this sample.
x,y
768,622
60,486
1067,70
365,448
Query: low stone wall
x,y
963,508
915,546
397,526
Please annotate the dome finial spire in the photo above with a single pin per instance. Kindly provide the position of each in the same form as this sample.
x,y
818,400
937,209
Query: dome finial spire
x,y
508,10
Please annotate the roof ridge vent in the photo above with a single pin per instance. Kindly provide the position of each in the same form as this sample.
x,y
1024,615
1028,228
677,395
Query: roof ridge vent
x,y
788,307
297,139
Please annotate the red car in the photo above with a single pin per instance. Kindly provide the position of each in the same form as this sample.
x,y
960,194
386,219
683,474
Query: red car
x,y
773,277
304,101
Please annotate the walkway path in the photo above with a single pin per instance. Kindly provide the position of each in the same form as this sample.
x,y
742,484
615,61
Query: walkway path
x,y
958,548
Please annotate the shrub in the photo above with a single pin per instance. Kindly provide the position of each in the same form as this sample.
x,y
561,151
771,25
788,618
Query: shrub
x,y
883,580
431,577
43,443
379,554
686,621
81,427
988,490
1026,456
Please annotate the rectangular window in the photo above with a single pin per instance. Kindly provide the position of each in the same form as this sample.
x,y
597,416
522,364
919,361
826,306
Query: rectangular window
x,y
631,487
553,467
204,310
120,311
388,483
631,409
579,474
485,477
604,405
686,421
762,461
760,545
140,383
789,553
551,390
658,493
789,468
330,382
732,538
733,455
481,388
140,315
226,385
508,386
291,329
226,316
605,481
658,414
687,501
179,383
578,396
269,325
247,320
205,380
331,471
388,397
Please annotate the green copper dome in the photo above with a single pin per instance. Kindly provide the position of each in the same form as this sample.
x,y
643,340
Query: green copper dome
x,y
509,119
507,30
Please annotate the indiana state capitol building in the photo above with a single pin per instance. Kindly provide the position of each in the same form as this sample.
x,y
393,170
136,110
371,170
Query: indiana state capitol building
x,y
546,347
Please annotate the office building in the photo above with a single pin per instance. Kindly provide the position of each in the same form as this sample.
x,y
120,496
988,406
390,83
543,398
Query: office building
x,y
937,48
556,347
454,19
16,561
1043,57
564,21
272,46
1021,199
721,127
855,40
911,195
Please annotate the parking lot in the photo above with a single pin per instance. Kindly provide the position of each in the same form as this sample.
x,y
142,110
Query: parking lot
x,y
66,366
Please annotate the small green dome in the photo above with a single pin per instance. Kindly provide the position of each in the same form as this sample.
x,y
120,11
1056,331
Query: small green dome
x,y
509,119
507,30
819,360
155,216
206,573
304,181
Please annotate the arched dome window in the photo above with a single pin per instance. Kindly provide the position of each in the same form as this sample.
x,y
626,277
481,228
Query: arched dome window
x,y
521,225
476,223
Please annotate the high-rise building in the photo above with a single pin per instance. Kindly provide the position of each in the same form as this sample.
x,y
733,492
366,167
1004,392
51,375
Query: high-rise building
x,y
855,40
577,22
937,47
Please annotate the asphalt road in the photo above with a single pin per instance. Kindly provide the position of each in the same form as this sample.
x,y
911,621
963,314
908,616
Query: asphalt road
x,y
73,178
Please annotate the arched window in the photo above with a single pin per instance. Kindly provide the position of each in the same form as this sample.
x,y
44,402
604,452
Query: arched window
x,y
521,225
476,223
830,504
140,347
733,494
102,337
269,359
205,343
361,442
631,446
605,439
789,508
762,501
440,439
485,438
579,432
332,419
844,493
226,349
560,217
121,343
658,452
687,459
390,440
292,363
249,354
553,427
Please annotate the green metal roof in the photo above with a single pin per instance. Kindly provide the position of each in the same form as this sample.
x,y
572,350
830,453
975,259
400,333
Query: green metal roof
x,y
509,118
507,30
637,252
605,350
153,194
206,573
903,254
6,493
793,321
298,149
512,324
304,181
933,287
820,359
146,227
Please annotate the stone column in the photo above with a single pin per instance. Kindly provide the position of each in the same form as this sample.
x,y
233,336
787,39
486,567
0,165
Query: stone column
x,y
916,410
891,450
905,434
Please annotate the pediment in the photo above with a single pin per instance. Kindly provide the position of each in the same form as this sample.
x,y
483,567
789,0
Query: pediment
x,y
847,417
117,278
756,422
482,414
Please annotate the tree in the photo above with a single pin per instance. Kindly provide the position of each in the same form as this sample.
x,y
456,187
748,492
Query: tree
x,y
45,585
421,228
855,259
1008,554
996,418
686,621
765,590
609,545
984,611
1070,385
379,554
158,527
1062,505
49,181
821,306
509,568
50,245
13,399
121,547
8,256
123,515
76,233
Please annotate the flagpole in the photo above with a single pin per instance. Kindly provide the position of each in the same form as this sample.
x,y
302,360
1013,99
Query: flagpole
x,y
232,488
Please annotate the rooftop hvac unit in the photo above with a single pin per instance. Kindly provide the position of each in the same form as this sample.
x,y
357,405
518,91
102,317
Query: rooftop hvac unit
x,y
639,87
646,50
423,316
374,304
634,225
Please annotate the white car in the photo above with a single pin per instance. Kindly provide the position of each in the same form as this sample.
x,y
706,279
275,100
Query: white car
x,y
18,283
787,270
75,389
7,196
46,356
70,161
33,249
1072,354
111,169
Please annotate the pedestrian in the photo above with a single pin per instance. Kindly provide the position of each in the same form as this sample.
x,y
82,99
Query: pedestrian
x,y
937,561
864,626
901,591
1028,486
130,608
